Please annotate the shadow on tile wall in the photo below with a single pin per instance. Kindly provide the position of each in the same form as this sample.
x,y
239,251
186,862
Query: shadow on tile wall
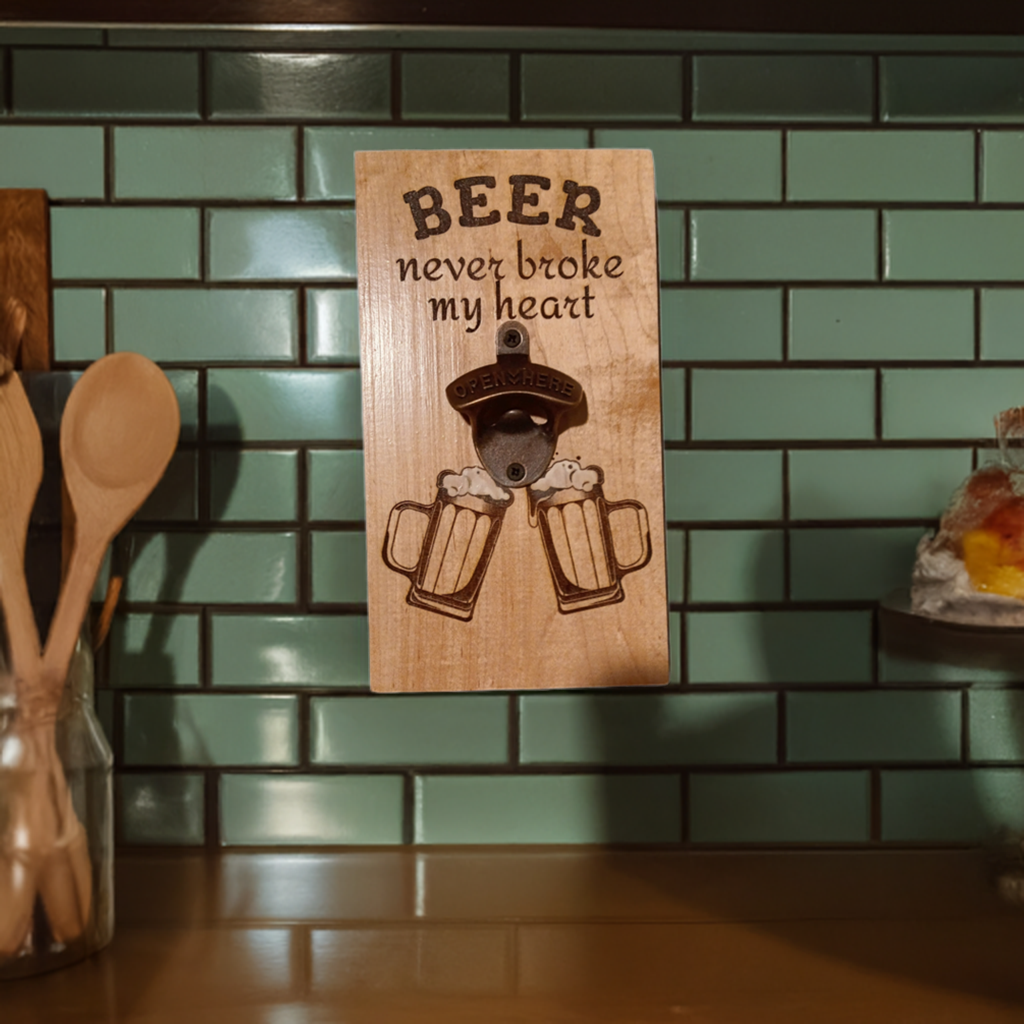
x,y
841,294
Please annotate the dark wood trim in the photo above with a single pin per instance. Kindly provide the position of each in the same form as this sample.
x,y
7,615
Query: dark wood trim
x,y
984,17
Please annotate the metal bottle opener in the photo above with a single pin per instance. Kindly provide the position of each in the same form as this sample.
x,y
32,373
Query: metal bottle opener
x,y
515,407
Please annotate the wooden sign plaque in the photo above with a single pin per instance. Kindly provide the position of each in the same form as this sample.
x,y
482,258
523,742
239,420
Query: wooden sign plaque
x,y
508,306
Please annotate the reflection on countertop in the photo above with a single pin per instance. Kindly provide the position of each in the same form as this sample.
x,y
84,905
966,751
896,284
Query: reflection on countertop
x,y
580,936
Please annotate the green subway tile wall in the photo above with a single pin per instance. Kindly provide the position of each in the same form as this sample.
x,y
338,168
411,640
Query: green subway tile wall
x,y
841,242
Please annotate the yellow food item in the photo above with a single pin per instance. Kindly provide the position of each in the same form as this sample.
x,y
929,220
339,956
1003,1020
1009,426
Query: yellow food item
x,y
993,564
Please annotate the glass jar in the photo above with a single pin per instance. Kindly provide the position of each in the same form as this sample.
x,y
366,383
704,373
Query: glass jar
x,y
56,827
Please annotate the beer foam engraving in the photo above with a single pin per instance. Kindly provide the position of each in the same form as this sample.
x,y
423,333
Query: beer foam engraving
x,y
474,480
565,474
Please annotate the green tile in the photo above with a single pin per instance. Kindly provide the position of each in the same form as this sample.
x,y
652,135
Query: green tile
x,y
809,87
947,403
948,88
332,326
186,388
79,324
780,807
779,647
45,35
873,166
136,242
163,810
293,245
297,810
766,245
737,565
1002,167
213,568
964,245
668,729
872,727
723,485
105,713
253,485
562,87
105,83
671,239
284,405
154,650
895,668
527,37
436,729
455,86
329,152
336,487
708,166
210,729
995,718
877,324
952,805
204,163
548,809
175,496
67,161
675,555
874,484
293,650
304,86
718,324
673,404
1002,314
856,564
194,325
737,405
675,653
339,566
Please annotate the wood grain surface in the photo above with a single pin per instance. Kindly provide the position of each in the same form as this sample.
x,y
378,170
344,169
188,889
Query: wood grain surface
x,y
558,936
568,249
25,268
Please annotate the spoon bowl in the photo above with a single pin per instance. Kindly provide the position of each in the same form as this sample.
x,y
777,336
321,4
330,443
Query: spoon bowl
x,y
118,433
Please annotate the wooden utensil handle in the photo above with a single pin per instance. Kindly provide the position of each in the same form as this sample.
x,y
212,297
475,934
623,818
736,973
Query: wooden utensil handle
x,y
86,558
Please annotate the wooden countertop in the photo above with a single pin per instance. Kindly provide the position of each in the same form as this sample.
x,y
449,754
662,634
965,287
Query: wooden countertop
x,y
568,936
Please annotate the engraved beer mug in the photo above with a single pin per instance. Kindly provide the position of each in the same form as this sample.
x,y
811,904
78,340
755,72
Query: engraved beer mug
x,y
460,533
569,508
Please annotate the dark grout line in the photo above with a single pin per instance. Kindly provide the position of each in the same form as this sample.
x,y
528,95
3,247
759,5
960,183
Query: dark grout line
x,y
409,807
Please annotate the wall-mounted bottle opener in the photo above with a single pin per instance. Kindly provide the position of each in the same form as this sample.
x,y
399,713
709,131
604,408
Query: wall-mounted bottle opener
x,y
515,407
510,365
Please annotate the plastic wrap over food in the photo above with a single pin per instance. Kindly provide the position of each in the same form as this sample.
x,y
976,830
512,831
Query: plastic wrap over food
x,y
972,569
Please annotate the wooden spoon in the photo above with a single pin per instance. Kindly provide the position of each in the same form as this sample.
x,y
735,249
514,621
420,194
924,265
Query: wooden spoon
x,y
118,433
21,470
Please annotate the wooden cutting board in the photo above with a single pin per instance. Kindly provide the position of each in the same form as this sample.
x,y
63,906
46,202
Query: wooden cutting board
x,y
512,419
25,268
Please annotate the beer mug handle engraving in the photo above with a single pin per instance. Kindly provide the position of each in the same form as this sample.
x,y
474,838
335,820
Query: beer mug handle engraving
x,y
645,554
389,537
